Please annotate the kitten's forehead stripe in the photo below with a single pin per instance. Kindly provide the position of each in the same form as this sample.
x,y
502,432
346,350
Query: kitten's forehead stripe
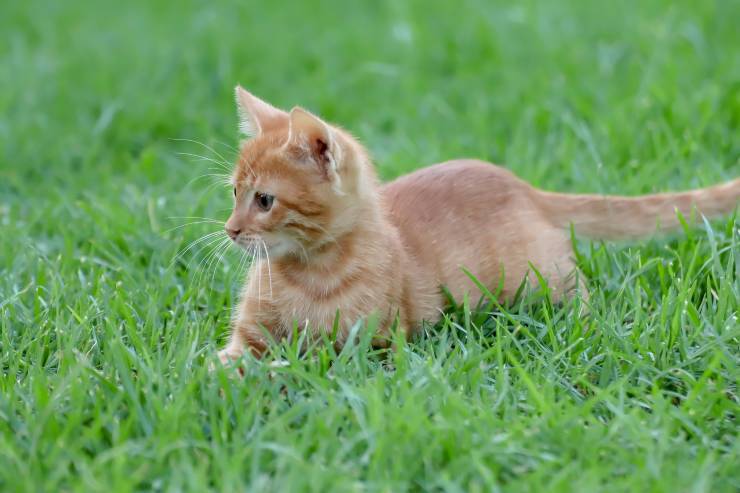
x,y
252,153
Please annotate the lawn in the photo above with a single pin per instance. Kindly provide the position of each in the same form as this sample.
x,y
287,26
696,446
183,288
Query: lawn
x,y
106,334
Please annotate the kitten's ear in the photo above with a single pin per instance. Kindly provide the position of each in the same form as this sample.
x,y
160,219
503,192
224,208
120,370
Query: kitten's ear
x,y
257,116
315,140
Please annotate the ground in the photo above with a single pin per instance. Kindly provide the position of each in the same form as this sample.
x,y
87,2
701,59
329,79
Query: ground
x,y
106,335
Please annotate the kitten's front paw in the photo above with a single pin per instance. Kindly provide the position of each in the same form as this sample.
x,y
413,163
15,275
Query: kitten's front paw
x,y
227,356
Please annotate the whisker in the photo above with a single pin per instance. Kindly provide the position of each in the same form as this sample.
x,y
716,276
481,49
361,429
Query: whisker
x,y
228,146
215,241
218,180
217,172
197,267
220,259
213,185
242,262
221,164
193,243
192,223
269,271
205,265
247,259
204,146
305,253
259,271
195,217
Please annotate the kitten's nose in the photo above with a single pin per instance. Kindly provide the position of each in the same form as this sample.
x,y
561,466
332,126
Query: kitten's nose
x,y
233,233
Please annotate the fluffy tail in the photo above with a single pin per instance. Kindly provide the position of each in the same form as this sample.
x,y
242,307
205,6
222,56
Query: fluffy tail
x,y
618,218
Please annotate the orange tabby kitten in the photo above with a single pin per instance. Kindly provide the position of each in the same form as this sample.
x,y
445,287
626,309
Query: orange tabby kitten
x,y
336,239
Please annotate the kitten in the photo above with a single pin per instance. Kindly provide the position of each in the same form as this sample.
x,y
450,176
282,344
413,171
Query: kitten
x,y
336,239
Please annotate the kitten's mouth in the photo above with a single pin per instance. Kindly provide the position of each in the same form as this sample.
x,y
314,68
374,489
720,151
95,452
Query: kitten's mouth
x,y
272,247
247,241
253,243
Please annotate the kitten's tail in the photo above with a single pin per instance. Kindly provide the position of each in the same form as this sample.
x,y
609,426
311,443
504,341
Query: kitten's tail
x,y
618,218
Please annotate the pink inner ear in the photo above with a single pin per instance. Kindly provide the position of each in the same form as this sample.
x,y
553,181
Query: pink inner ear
x,y
320,148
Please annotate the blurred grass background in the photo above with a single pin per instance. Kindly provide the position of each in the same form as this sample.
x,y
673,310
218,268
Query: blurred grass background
x,y
104,346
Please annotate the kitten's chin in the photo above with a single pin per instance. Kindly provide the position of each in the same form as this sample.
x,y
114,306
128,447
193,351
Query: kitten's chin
x,y
244,244
276,248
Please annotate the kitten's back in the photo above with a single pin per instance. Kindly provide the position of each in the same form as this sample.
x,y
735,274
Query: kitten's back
x,y
470,214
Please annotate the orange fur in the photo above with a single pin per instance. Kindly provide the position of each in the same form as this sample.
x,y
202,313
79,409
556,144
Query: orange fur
x,y
339,241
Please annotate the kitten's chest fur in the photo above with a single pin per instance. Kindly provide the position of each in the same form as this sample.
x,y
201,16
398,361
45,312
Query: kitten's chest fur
x,y
361,278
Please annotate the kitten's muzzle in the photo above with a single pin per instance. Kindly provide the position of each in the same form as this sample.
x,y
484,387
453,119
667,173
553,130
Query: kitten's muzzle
x,y
233,233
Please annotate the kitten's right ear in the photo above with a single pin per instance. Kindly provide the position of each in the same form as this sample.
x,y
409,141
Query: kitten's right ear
x,y
256,116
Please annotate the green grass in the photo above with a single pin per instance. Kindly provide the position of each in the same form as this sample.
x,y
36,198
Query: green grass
x,y
105,343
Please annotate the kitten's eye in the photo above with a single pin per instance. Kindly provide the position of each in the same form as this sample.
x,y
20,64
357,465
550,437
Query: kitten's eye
x,y
264,200
234,192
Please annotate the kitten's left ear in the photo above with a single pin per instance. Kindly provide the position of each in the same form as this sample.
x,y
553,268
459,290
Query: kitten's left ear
x,y
256,116
316,141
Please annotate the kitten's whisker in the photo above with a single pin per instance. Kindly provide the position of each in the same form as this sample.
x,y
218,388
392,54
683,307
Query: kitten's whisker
x,y
304,252
220,180
224,248
201,266
269,270
228,146
217,172
213,185
197,269
249,257
214,151
221,164
242,262
203,260
207,264
195,217
259,276
193,243
253,251
192,223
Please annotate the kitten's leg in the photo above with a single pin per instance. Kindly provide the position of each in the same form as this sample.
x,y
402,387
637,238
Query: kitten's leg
x,y
233,350
554,258
567,283
237,344
245,336
251,313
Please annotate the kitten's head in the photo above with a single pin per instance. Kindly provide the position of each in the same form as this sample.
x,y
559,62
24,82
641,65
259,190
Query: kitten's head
x,y
299,183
